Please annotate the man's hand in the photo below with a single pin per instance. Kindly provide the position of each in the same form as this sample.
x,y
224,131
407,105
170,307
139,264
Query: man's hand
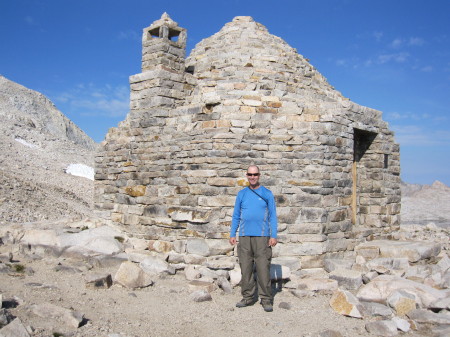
x,y
233,241
272,242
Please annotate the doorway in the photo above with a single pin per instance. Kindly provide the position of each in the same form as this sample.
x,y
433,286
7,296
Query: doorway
x,y
362,140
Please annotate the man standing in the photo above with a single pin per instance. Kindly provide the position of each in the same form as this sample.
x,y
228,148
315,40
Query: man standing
x,y
255,216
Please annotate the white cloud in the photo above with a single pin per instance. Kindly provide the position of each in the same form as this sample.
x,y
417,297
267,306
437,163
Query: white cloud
x,y
418,136
30,20
396,57
416,41
88,99
397,43
426,69
378,36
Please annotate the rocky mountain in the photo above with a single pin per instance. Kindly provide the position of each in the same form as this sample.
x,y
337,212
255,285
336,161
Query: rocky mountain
x,y
37,145
30,110
422,204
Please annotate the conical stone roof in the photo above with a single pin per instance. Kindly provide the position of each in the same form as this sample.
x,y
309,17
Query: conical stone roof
x,y
244,50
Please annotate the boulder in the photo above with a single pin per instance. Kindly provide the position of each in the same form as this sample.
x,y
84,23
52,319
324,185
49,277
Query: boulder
x,y
220,262
197,246
402,302
316,284
376,309
443,303
382,328
156,265
235,276
14,329
345,303
49,311
429,317
382,286
390,263
347,279
333,264
131,276
412,250
293,263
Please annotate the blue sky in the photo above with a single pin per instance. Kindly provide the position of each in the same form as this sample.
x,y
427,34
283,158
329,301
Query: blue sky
x,y
390,55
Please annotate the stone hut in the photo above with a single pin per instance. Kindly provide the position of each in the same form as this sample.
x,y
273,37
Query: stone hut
x,y
169,173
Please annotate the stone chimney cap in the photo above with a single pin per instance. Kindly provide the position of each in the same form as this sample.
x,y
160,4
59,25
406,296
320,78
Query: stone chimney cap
x,y
164,21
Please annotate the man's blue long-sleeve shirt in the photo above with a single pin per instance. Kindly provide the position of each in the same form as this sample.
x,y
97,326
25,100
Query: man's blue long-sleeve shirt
x,y
254,215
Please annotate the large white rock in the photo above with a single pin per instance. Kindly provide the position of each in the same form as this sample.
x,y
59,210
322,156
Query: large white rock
x,y
155,265
390,263
197,247
345,303
333,264
83,237
14,329
412,250
220,262
402,302
292,262
48,311
382,328
131,276
235,276
219,247
382,286
316,284
41,237
347,279
427,316
104,245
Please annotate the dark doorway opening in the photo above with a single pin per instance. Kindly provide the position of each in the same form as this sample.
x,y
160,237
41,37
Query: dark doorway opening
x,y
361,143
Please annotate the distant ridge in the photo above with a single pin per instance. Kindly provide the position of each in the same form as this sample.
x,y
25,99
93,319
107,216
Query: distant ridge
x,y
31,110
37,146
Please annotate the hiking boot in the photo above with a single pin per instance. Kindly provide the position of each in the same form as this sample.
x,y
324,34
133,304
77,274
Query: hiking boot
x,y
267,306
244,303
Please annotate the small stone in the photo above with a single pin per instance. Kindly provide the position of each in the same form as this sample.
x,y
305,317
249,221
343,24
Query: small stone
x,y
330,333
285,305
201,296
201,285
225,285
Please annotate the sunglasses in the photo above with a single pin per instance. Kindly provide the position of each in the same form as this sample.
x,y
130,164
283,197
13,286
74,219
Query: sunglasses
x,y
252,174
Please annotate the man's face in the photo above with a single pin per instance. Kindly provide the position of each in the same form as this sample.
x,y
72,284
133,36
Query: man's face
x,y
253,176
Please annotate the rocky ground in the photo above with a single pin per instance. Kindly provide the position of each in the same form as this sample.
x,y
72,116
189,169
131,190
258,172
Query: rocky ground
x,y
81,291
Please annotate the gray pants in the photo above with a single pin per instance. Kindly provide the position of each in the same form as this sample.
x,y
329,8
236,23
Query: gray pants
x,y
255,250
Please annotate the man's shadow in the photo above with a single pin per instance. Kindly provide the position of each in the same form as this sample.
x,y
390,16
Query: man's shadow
x,y
276,275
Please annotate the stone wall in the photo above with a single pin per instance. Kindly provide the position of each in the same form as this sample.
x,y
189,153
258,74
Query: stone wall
x,y
170,172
